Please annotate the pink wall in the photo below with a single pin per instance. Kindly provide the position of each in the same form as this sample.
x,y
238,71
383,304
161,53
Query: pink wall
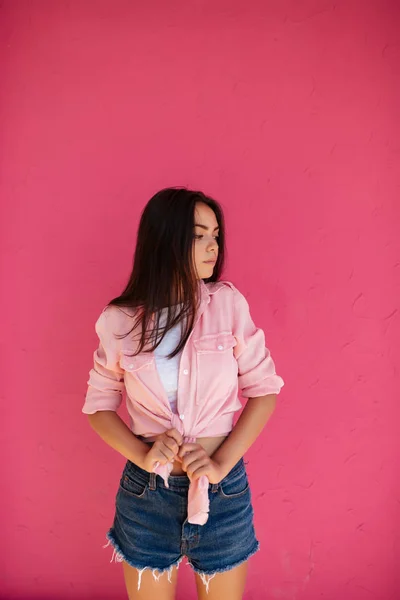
x,y
286,111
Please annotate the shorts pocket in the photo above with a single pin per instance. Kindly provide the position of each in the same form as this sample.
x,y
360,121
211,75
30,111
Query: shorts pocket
x,y
234,487
130,486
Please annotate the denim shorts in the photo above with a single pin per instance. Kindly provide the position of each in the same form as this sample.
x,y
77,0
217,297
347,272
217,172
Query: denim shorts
x,y
151,530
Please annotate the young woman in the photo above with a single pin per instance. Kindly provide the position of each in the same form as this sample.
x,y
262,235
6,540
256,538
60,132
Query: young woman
x,y
181,344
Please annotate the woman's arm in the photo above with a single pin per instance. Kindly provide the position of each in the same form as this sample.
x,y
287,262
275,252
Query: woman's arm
x,y
112,429
251,422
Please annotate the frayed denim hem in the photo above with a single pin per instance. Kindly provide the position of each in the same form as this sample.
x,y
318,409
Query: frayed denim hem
x,y
206,576
118,556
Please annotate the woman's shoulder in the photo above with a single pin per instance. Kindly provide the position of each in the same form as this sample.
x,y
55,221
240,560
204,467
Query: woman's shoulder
x,y
223,284
222,289
115,313
115,318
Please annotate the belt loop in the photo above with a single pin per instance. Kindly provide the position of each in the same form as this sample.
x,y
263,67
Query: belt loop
x,y
214,488
153,481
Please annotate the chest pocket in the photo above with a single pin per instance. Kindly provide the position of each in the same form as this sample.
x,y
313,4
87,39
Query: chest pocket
x,y
216,366
139,372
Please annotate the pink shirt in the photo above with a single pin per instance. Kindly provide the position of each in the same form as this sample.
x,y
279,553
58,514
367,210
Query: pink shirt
x,y
225,353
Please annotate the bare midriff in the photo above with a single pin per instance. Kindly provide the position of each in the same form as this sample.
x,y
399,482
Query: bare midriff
x,y
210,445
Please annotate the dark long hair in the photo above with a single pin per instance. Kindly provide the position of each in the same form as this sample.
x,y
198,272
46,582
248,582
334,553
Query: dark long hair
x,y
163,268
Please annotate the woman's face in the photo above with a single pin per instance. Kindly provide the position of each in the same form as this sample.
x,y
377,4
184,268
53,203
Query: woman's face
x,y
205,242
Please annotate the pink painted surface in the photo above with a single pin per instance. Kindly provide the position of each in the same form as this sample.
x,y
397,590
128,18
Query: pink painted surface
x,y
288,113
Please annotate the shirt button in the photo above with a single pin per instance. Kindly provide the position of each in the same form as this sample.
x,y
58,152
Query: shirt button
x,y
220,347
185,372
181,417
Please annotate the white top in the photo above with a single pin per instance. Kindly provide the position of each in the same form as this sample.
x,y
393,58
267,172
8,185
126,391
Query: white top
x,y
168,368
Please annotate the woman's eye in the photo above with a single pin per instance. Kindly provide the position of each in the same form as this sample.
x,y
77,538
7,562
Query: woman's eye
x,y
200,237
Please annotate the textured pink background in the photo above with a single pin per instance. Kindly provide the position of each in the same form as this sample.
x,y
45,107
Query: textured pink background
x,y
286,111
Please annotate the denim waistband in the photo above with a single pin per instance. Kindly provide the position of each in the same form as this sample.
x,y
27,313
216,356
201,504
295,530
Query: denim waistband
x,y
175,482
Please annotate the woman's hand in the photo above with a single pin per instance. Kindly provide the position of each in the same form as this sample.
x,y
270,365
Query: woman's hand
x,y
164,450
196,462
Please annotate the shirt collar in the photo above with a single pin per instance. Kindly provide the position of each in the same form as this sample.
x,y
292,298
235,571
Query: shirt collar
x,y
207,289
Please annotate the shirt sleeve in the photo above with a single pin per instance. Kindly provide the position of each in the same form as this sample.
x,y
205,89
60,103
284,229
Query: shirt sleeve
x,y
106,378
257,374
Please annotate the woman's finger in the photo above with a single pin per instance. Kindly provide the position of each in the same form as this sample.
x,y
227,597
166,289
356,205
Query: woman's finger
x,y
199,472
195,467
171,444
188,448
189,458
174,434
164,451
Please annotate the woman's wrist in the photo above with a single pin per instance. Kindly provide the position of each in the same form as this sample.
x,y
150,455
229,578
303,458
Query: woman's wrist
x,y
139,457
222,467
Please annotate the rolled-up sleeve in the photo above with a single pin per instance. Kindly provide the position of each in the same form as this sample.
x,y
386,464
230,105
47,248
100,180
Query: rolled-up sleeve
x,y
256,368
106,378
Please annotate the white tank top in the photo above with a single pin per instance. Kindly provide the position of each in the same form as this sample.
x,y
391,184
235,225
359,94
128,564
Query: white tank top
x,y
168,368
